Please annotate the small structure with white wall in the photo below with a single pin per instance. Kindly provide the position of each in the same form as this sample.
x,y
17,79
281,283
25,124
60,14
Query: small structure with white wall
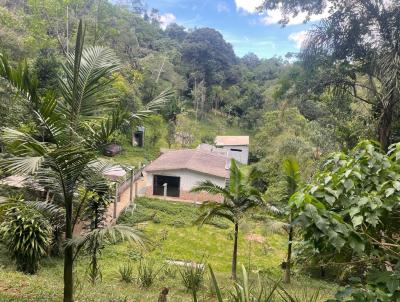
x,y
237,147
175,173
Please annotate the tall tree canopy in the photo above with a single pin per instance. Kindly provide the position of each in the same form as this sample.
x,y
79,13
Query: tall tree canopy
x,y
354,50
209,53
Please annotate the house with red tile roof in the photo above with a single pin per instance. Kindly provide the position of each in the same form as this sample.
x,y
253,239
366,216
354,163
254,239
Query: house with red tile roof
x,y
174,173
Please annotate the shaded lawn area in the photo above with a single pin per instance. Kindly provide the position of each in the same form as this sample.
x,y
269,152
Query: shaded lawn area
x,y
133,156
169,226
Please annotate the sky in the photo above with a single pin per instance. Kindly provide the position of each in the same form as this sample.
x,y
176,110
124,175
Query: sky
x,y
239,22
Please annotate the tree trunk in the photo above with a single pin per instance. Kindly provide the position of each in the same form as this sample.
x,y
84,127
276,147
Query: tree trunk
x,y
68,255
286,277
235,247
385,125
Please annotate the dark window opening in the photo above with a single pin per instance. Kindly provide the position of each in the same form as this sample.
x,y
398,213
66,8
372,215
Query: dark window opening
x,y
236,150
173,185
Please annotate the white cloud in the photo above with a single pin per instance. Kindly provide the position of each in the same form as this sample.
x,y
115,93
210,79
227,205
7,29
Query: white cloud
x,y
166,20
222,7
298,38
249,6
274,16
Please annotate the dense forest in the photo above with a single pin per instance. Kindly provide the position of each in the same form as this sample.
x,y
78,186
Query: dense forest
x,y
323,123
268,98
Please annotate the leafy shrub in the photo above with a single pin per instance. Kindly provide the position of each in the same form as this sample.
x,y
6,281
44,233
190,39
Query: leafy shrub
x,y
192,278
126,273
135,255
27,235
147,273
264,291
244,292
156,219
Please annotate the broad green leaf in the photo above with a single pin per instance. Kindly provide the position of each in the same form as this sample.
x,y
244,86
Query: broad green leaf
x,y
357,220
348,184
389,192
353,211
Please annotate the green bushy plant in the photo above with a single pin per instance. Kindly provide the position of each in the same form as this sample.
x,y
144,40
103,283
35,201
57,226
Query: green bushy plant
x,y
126,273
193,277
261,291
27,235
135,255
147,273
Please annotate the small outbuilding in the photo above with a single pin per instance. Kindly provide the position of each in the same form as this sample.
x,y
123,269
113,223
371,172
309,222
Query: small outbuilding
x,y
237,147
175,173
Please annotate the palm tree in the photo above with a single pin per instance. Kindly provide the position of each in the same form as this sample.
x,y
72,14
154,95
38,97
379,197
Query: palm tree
x,y
292,175
239,196
68,159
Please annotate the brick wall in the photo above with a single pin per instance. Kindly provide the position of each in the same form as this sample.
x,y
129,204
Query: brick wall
x,y
188,196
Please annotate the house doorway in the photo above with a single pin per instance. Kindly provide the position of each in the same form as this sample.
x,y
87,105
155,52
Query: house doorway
x,y
173,185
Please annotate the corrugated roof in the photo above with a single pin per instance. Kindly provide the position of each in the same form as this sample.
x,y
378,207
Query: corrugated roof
x,y
194,160
115,173
19,181
232,140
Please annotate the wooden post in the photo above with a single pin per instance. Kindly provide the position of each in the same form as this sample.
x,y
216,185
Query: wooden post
x,y
115,201
136,183
131,187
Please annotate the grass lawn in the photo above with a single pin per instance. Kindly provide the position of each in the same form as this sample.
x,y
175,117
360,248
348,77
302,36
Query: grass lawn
x,y
169,226
134,156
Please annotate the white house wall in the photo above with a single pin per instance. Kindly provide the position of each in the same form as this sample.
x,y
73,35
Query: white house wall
x,y
189,179
242,157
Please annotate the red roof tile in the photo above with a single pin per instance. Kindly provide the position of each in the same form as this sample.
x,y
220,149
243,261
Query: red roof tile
x,y
194,160
232,140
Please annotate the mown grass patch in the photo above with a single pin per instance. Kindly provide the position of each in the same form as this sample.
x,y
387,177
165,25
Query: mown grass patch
x,y
187,242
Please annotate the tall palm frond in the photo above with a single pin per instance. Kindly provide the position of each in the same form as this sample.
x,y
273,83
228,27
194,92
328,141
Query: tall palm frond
x,y
274,226
51,211
22,165
21,79
70,161
108,235
210,187
210,210
29,152
156,104
52,120
22,143
87,77
235,179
